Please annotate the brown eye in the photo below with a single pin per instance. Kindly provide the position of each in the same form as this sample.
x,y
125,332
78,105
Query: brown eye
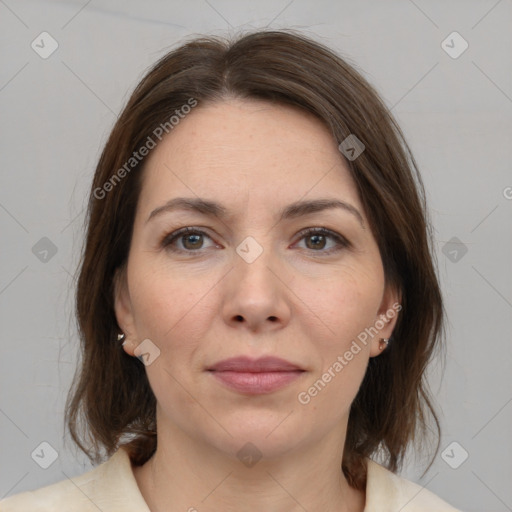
x,y
192,241
323,240
186,240
316,241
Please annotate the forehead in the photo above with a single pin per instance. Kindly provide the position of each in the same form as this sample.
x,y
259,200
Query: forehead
x,y
246,150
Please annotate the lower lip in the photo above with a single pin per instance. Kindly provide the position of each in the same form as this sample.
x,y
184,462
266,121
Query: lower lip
x,y
256,383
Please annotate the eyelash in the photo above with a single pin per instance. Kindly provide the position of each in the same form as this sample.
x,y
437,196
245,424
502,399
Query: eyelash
x,y
342,242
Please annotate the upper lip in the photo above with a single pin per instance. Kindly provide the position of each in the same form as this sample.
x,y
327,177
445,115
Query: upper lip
x,y
247,364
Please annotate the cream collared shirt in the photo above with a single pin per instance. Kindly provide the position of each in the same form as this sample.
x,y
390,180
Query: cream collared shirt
x,y
111,487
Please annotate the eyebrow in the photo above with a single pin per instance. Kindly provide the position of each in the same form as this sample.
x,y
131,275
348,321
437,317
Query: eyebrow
x,y
292,211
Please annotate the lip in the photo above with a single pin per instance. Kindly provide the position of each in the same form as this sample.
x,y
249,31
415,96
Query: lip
x,y
255,376
249,365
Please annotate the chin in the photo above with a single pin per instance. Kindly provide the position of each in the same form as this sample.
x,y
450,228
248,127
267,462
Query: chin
x,y
261,431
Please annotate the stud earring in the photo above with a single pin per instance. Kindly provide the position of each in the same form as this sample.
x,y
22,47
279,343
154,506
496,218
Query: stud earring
x,y
383,343
121,337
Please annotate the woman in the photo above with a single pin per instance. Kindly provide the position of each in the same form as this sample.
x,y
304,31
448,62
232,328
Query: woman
x,y
257,299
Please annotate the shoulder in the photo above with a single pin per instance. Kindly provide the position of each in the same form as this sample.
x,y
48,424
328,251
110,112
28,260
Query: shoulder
x,y
108,487
386,491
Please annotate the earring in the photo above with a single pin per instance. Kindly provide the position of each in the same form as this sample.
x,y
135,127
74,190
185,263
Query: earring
x,y
383,343
121,337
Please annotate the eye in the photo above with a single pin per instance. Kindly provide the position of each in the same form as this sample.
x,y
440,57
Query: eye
x,y
188,239
317,240
191,239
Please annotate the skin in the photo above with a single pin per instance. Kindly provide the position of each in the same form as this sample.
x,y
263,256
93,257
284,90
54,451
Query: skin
x,y
299,300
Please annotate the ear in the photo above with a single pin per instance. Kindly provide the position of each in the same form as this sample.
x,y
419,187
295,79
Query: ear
x,y
123,310
386,318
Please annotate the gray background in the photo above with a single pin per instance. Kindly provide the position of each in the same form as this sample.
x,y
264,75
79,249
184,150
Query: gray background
x,y
455,112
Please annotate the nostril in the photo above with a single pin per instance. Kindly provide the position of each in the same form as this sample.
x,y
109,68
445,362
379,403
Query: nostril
x,y
239,318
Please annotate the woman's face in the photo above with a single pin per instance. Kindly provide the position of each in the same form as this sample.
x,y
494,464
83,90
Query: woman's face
x,y
248,279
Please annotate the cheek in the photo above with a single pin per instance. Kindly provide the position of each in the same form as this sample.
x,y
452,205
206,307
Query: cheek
x,y
344,308
346,305
340,306
164,302
175,315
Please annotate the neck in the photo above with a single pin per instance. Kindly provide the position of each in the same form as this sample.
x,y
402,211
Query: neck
x,y
187,475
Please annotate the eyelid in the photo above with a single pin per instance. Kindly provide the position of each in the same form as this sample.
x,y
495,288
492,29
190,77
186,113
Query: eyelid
x,y
170,238
340,239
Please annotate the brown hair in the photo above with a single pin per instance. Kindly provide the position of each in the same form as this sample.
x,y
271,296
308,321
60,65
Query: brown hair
x,y
111,402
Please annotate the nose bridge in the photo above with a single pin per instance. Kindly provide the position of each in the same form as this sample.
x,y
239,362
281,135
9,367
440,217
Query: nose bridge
x,y
256,293
256,259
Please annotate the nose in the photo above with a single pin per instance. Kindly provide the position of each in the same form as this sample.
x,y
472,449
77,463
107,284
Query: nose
x,y
256,295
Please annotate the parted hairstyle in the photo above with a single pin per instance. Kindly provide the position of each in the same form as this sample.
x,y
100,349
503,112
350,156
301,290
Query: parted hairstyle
x,y
110,402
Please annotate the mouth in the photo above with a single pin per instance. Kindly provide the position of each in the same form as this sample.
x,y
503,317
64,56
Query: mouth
x,y
255,376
